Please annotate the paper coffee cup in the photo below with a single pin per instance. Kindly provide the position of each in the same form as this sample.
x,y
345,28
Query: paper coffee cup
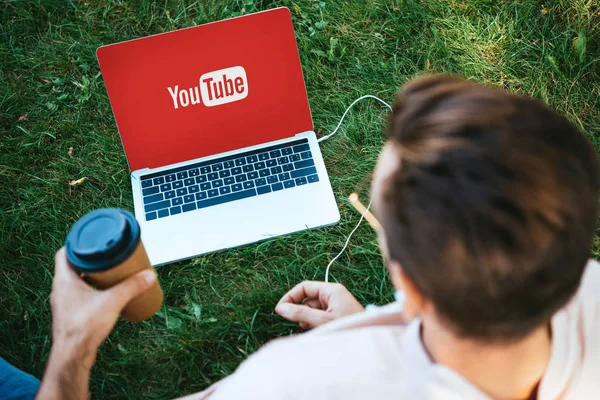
x,y
105,247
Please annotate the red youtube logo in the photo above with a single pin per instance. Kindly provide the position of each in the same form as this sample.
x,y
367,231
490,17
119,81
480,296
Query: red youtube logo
x,y
215,88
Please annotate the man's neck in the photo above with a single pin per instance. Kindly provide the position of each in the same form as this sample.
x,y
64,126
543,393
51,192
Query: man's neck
x,y
503,371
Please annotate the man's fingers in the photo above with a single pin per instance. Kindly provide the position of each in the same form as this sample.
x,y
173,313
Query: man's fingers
x,y
313,303
303,290
130,288
62,270
304,325
301,313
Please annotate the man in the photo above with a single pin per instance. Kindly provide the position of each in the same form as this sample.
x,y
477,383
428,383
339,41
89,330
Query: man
x,y
488,207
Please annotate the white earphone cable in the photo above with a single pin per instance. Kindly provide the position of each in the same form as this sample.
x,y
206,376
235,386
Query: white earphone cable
x,y
347,241
368,96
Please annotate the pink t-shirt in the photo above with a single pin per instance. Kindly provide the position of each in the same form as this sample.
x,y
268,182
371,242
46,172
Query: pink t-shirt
x,y
372,355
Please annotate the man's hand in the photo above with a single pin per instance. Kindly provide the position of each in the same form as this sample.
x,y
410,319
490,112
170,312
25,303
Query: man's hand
x,y
312,304
82,318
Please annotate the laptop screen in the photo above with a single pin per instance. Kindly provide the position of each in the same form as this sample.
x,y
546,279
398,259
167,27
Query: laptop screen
x,y
208,89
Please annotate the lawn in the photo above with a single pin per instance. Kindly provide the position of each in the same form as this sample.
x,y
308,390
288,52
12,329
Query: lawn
x,y
56,126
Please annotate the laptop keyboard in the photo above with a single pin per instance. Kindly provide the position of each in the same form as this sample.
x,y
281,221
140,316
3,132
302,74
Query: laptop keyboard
x,y
230,178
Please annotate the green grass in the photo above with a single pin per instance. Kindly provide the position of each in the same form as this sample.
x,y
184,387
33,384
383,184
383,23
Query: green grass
x,y
219,308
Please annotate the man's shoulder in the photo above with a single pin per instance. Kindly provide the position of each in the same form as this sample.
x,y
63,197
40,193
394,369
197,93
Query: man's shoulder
x,y
590,282
587,299
584,309
337,363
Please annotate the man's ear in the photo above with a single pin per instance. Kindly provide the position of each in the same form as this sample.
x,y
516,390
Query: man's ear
x,y
415,302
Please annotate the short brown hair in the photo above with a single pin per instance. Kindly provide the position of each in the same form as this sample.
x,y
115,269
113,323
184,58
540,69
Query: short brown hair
x,y
493,209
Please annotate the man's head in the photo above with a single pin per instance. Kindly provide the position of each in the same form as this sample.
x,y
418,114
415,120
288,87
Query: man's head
x,y
488,204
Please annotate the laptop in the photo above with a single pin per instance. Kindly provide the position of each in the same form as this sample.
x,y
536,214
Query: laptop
x,y
217,130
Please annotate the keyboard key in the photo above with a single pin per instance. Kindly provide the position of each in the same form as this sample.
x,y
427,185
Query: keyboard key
x,y
286,151
304,164
201,196
175,210
253,175
260,182
171,178
146,183
153,198
150,216
301,147
157,206
295,157
276,187
240,178
189,181
201,179
303,172
151,190
217,167
218,183
165,187
205,186
237,187
283,160
288,167
227,198
283,177
264,172
228,164
194,172
225,190
159,180
224,174
263,157
213,192
247,168
272,179
163,213
177,201
236,171
301,181
170,195
213,176
289,184
306,155
313,178
189,198
177,185
204,170
275,154
188,207
194,189
182,175
276,170
259,165
252,159
182,192
263,189
248,184
229,181
271,163
240,161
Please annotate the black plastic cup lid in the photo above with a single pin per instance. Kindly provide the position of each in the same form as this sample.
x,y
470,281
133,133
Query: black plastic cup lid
x,y
102,239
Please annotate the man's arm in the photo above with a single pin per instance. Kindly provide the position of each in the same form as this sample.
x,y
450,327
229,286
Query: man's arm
x,y
82,318
66,377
